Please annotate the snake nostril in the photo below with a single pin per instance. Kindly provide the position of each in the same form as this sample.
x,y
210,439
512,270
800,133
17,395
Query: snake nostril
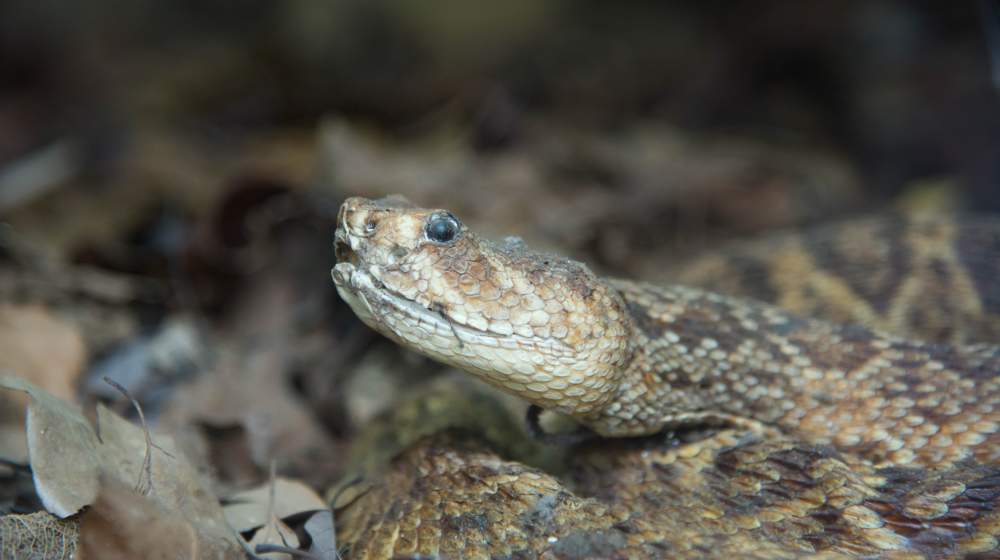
x,y
345,254
398,254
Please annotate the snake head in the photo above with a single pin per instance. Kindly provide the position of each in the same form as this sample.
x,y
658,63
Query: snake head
x,y
384,236
540,326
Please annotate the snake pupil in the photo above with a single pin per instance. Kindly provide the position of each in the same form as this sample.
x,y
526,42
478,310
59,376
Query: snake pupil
x,y
441,229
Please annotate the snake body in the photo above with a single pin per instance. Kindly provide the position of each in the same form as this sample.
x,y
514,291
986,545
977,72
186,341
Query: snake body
x,y
924,277
834,413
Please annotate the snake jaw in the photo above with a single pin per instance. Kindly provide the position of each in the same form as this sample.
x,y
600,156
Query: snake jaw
x,y
352,282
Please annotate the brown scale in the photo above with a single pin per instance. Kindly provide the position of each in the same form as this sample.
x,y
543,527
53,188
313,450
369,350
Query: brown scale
x,y
844,420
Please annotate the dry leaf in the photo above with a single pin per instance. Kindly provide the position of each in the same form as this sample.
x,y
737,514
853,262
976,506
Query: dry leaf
x,y
247,510
277,533
371,389
324,537
63,449
122,525
42,349
49,352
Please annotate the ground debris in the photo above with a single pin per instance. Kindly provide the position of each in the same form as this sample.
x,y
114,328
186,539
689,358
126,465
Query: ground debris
x,y
122,524
38,536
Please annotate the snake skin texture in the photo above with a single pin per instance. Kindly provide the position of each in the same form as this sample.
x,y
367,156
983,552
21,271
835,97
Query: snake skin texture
x,y
923,277
448,496
832,439
895,402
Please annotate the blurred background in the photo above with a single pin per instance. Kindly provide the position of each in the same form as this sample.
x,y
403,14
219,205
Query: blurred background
x,y
170,171
737,116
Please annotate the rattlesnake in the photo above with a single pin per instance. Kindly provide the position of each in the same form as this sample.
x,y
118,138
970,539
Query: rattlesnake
x,y
823,439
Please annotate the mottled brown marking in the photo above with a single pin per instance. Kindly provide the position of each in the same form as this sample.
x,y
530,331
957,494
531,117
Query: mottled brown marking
x,y
878,263
867,271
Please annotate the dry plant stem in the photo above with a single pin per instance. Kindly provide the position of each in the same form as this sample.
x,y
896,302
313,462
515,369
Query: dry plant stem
x,y
266,548
333,504
147,460
270,500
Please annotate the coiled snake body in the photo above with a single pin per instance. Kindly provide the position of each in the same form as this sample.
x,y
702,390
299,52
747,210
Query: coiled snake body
x,y
829,440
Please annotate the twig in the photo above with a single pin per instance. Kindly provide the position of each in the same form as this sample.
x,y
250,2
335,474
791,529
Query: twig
x,y
15,466
270,502
147,460
265,548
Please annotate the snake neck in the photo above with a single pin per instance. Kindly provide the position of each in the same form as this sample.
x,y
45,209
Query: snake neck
x,y
699,356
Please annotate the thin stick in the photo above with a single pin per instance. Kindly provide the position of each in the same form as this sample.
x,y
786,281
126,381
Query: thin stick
x,y
265,548
270,503
147,460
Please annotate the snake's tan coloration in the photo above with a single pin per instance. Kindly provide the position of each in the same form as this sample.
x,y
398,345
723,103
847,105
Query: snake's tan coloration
x,y
627,358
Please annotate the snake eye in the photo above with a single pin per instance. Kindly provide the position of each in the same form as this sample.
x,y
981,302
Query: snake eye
x,y
441,229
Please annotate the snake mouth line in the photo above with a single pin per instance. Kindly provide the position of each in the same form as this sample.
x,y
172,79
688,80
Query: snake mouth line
x,y
372,287
352,274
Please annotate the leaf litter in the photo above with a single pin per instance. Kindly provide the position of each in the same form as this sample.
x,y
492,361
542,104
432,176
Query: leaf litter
x,y
122,524
74,466
38,535
84,464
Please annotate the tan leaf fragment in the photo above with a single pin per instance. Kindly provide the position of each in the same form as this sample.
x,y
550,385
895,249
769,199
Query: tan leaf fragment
x,y
277,533
247,510
63,449
122,525
41,348
38,536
